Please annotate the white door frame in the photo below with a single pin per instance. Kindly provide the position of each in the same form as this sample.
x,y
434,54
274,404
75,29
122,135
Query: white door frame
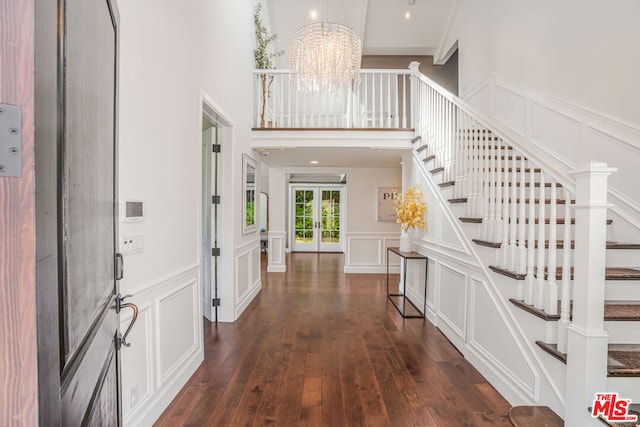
x,y
224,136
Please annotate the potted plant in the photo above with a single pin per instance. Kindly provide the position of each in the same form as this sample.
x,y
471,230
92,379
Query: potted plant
x,y
264,58
410,208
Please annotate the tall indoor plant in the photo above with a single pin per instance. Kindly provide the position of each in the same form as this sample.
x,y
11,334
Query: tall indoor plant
x,y
264,57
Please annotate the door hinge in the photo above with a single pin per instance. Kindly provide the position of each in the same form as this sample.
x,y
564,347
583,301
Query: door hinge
x,y
215,302
216,148
215,200
215,251
10,140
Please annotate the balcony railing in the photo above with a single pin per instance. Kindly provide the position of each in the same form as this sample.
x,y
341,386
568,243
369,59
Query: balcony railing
x,y
381,100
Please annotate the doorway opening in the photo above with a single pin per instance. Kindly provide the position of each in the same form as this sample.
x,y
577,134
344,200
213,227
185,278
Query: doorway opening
x,y
215,140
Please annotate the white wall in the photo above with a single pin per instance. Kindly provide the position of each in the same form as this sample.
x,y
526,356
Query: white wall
x,y
368,238
583,51
173,53
560,80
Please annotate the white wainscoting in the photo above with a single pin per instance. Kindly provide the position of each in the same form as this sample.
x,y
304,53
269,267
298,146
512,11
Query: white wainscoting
x,y
367,253
277,245
452,303
488,332
561,136
166,345
248,281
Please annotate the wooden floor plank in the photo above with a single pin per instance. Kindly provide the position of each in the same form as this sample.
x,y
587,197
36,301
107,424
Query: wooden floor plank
x,y
318,347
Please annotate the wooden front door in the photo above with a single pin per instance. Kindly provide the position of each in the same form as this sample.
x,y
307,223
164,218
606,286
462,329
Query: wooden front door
x,y
76,154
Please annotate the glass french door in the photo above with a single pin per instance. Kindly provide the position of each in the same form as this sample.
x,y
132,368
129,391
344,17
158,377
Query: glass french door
x,y
317,218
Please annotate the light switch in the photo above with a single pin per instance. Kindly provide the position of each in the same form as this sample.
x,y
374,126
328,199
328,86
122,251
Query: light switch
x,y
132,244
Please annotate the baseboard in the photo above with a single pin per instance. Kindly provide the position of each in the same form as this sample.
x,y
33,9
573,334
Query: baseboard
x,y
371,269
509,387
152,410
276,269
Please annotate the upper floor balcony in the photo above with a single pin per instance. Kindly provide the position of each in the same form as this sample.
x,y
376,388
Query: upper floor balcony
x,y
374,113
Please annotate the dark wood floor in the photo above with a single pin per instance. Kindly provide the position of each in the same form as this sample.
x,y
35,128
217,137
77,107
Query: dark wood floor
x,y
318,347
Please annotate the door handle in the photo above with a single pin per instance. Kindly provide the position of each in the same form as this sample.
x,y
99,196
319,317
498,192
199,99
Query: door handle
x,y
119,306
119,267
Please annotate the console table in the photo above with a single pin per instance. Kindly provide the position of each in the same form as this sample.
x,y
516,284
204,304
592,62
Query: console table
x,y
403,296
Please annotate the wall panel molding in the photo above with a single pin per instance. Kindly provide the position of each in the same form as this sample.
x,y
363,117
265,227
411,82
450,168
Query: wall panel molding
x,y
276,251
154,301
367,252
163,306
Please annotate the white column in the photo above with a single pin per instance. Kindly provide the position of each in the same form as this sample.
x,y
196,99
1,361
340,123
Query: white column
x,y
278,195
587,340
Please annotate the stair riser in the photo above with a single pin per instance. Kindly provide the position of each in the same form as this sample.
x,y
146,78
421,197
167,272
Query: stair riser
x,y
620,290
623,257
535,328
626,387
623,332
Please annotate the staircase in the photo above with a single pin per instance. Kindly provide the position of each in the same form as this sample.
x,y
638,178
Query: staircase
x,y
543,238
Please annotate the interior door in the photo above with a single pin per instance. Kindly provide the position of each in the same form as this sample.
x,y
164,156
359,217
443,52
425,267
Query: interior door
x,y
210,205
85,387
317,218
304,219
330,216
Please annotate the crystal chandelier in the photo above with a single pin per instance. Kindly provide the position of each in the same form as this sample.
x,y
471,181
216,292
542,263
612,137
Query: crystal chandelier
x,y
325,56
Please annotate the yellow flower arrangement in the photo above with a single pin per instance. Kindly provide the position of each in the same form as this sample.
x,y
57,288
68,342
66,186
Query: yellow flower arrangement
x,y
410,208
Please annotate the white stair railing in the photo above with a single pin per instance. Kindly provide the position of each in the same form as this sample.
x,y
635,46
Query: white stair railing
x,y
379,100
520,206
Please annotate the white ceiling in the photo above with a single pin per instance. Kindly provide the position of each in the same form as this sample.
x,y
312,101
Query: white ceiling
x,y
341,157
381,24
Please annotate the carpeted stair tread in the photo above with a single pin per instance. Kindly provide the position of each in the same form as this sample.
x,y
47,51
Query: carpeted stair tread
x,y
421,148
559,244
437,170
623,360
628,311
611,273
634,409
429,158
527,201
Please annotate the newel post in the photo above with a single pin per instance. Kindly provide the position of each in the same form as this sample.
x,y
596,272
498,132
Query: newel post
x,y
587,339
414,68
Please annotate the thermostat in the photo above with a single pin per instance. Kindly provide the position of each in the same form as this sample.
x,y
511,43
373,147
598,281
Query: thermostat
x,y
132,210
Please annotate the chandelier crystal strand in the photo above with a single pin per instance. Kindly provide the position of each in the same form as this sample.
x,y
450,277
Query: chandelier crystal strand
x,y
325,57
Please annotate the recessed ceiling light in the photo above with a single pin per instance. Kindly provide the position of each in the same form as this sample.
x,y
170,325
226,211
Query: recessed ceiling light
x,y
313,14
314,162
407,15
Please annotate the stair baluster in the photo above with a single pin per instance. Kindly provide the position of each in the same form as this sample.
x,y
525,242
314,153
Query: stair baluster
x,y
565,299
551,303
531,240
540,263
522,237
504,247
492,153
513,209
484,186
497,231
